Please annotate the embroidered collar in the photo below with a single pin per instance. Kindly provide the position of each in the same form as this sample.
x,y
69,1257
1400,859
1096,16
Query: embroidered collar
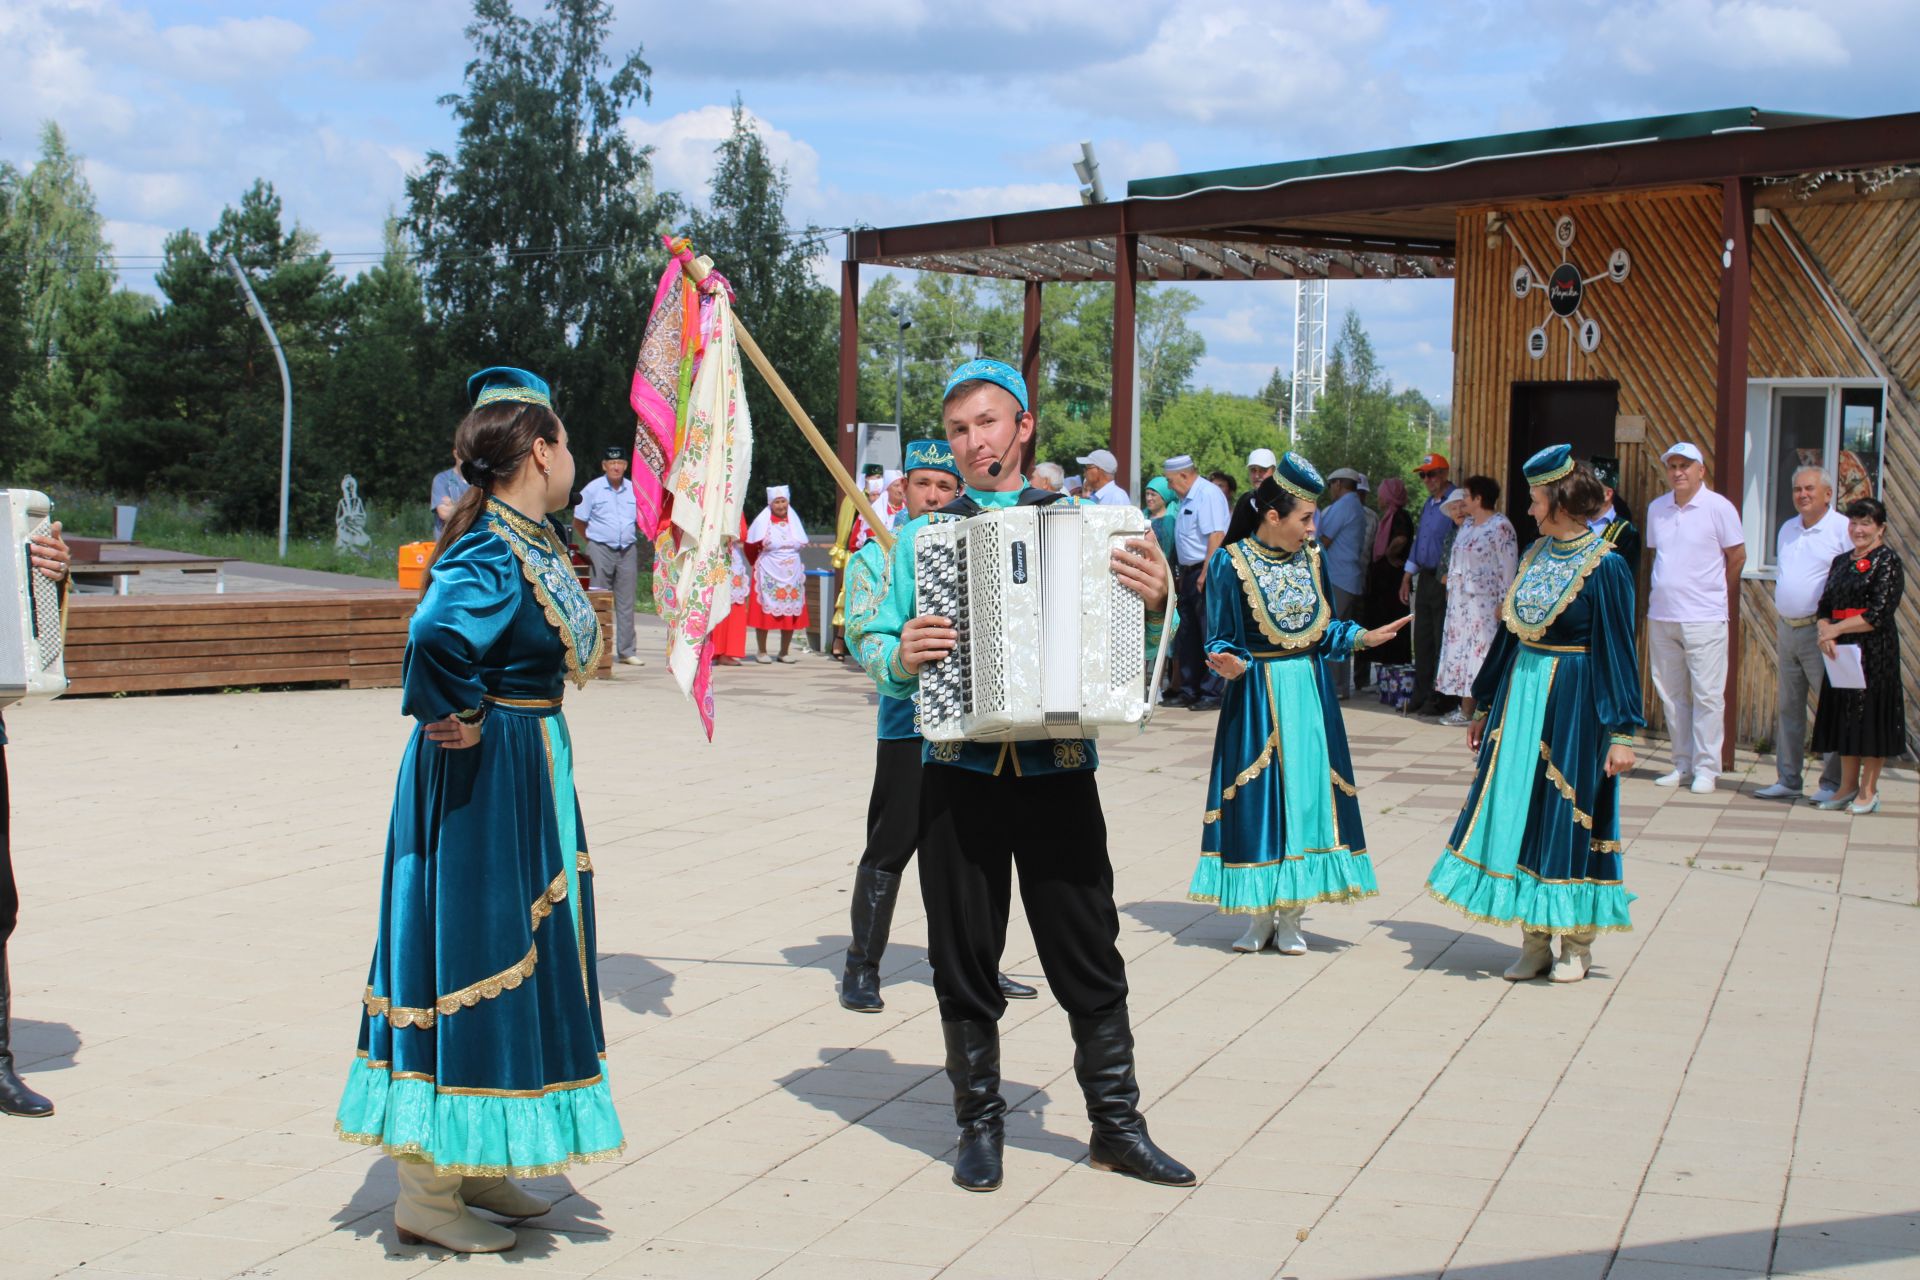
x,y
1551,575
547,568
1283,591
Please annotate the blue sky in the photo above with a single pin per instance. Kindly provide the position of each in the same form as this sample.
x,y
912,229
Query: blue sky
x,y
891,111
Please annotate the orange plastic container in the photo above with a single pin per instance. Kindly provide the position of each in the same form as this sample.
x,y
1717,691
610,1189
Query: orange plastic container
x,y
413,565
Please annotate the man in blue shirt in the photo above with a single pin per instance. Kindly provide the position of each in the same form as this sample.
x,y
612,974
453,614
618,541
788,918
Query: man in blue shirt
x,y
609,520
448,488
1342,527
1197,533
1421,582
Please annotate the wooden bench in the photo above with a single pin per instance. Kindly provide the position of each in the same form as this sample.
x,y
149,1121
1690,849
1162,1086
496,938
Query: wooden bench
x,y
97,559
127,644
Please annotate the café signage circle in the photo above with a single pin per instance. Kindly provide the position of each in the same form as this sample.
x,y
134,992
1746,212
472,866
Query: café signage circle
x,y
1567,292
1565,289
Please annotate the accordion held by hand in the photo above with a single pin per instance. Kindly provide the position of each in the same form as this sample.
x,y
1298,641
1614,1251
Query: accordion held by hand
x,y
31,643
1051,643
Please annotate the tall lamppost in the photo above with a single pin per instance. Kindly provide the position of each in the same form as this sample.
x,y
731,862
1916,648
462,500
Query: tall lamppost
x,y
900,367
259,313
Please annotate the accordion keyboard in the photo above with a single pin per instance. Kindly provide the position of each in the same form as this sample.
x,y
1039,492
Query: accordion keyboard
x,y
944,684
43,610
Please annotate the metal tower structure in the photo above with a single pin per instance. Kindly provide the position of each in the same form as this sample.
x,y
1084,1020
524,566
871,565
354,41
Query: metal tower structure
x,y
1309,352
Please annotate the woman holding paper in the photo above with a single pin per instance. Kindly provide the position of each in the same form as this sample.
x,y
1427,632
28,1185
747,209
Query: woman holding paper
x,y
1865,725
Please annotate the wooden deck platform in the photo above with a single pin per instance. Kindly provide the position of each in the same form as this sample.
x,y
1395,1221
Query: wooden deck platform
x,y
129,644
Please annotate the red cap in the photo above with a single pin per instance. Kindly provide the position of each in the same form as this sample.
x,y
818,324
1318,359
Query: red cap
x,y
1432,462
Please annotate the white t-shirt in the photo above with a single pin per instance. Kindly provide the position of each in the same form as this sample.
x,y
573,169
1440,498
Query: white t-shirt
x,y
1689,562
1803,557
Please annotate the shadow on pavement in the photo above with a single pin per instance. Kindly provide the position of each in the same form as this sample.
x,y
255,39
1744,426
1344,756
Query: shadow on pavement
x,y
1462,953
868,1087
828,953
637,983
44,1046
1195,924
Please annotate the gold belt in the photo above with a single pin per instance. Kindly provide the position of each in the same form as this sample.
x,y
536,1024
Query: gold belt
x,y
1553,648
1797,623
1280,653
523,702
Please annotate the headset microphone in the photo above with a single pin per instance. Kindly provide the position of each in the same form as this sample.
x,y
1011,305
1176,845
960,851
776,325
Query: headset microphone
x,y
994,467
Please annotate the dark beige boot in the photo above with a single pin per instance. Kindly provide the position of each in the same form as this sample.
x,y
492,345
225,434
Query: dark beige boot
x,y
1536,957
430,1211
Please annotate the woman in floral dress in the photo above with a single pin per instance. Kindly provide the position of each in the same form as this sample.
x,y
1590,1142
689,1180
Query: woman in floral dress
x,y
1485,553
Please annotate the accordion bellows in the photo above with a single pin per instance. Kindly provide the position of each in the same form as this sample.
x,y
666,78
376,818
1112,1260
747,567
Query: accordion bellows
x,y
1051,644
31,643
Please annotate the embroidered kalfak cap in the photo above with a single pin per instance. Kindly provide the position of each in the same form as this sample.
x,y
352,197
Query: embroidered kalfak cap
x,y
1297,476
1555,462
998,372
931,455
502,382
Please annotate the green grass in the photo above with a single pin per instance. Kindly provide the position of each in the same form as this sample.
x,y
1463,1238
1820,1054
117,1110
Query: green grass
x,y
182,524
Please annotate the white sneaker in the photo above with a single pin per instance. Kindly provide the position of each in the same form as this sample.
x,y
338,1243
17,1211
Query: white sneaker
x,y
1823,796
1702,784
633,660
1455,720
1673,779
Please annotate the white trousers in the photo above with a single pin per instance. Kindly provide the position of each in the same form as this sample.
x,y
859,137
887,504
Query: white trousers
x,y
1689,661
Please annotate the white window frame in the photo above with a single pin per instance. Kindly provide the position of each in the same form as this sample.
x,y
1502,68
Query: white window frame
x,y
1759,457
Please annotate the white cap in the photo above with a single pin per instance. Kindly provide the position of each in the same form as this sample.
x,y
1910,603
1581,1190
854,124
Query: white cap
x,y
1102,459
1263,458
888,476
1684,450
779,491
1453,496
1347,473
1178,462
1363,482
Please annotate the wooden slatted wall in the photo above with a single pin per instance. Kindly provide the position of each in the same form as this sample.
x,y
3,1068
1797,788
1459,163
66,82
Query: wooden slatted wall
x,y
1659,341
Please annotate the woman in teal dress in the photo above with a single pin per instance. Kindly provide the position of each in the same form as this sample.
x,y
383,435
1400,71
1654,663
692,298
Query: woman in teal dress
x,y
1557,701
1282,827
481,1053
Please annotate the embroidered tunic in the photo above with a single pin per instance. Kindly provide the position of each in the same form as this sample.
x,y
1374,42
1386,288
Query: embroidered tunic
x,y
1538,841
480,1039
1282,824
880,603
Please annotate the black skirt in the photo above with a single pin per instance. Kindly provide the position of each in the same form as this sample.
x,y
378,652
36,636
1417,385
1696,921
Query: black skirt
x,y
1869,721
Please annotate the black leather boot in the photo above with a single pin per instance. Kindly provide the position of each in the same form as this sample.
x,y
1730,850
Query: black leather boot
x,y
1103,1062
15,1098
874,893
1011,990
973,1064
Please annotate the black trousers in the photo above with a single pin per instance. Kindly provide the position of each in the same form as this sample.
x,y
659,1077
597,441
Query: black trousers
x,y
1197,679
893,811
9,895
1429,622
977,828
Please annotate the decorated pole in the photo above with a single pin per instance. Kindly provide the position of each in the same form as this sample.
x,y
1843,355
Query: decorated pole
x,y
698,270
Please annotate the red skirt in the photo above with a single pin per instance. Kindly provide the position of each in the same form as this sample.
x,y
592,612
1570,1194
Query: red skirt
x,y
730,637
760,620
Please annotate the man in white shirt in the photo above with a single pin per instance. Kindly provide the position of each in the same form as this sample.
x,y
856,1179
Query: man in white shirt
x,y
1699,549
607,518
1098,480
1197,533
1805,551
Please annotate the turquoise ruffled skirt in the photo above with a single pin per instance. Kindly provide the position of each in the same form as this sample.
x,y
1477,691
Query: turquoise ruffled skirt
x,y
1282,827
1538,842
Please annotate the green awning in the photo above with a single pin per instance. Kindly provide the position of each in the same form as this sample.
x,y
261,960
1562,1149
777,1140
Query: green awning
x,y
1442,155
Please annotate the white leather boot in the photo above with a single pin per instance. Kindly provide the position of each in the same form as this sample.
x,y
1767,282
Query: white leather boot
x,y
502,1196
1536,957
1286,933
1259,933
430,1211
1576,957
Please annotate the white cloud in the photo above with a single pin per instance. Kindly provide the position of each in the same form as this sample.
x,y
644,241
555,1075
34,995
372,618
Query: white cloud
x,y
1744,35
684,154
232,49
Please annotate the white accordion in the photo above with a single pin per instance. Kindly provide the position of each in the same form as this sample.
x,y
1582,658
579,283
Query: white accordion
x,y
31,643
1050,640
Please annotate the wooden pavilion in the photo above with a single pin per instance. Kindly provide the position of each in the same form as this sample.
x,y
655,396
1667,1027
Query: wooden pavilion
x,y
1745,279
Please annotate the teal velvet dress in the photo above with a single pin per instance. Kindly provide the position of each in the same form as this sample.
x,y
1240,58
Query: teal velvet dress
x,y
1538,842
480,1040
1282,827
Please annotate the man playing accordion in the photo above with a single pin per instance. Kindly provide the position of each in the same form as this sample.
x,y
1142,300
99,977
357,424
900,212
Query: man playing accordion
x,y
990,807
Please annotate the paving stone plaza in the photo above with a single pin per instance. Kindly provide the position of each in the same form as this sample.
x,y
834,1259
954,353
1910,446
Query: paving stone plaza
x,y
1732,1093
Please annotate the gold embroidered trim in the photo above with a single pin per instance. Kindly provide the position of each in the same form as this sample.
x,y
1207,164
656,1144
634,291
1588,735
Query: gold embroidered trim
x,y
464,1091
578,671
1342,783
1306,639
1269,754
1565,788
485,989
1482,868
1274,862
524,702
413,1151
1605,846
1537,878
1437,896
582,863
1355,894
1553,648
1212,815
1594,552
